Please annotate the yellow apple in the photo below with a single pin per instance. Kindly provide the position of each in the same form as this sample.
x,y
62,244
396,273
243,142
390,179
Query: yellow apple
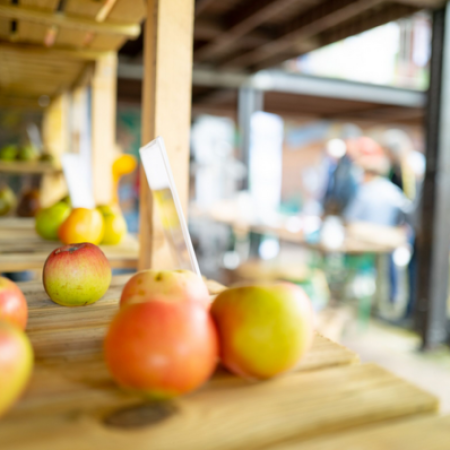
x,y
264,330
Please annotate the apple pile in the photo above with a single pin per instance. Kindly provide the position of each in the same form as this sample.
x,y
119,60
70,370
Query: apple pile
x,y
103,225
167,337
16,353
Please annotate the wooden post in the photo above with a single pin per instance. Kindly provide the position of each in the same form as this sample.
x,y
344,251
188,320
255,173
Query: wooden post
x,y
434,237
104,95
55,137
166,107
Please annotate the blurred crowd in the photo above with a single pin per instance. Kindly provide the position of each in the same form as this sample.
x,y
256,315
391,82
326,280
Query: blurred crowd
x,y
378,179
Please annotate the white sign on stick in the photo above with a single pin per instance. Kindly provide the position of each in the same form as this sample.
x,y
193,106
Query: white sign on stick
x,y
77,173
160,179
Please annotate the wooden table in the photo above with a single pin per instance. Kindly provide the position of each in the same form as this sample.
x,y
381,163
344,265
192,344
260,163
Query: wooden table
x,y
73,404
22,249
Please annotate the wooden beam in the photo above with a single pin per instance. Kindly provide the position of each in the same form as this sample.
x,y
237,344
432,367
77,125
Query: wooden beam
x,y
247,18
201,5
312,22
129,30
104,91
166,109
208,29
63,52
370,19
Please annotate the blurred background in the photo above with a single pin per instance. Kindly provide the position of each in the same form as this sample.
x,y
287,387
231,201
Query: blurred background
x,y
308,163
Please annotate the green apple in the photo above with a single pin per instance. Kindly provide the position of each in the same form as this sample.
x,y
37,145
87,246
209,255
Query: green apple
x,y
7,200
49,219
9,152
16,364
264,330
29,153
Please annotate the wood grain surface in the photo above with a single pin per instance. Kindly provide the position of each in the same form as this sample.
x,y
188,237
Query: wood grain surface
x,y
431,433
22,249
73,403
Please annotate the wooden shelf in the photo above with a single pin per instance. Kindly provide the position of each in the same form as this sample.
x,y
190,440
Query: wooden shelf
x,y
22,167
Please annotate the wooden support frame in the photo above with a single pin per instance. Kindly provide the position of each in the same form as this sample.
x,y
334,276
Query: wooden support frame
x,y
103,122
129,30
166,105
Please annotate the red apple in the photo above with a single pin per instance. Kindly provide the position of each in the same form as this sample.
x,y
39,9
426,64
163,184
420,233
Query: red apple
x,y
13,306
16,363
165,285
263,330
162,349
77,274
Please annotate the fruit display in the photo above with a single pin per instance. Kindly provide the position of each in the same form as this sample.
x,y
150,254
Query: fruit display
x,y
48,220
82,225
9,152
165,285
29,203
13,306
16,363
115,225
7,200
76,274
162,349
264,330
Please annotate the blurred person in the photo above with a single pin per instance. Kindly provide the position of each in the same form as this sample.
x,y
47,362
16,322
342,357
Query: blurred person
x,y
377,199
408,173
342,175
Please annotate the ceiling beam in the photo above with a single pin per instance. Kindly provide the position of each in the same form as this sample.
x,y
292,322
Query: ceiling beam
x,y
367,21
279,81
207,29
423,4
201,5
241,22
129,30
311,22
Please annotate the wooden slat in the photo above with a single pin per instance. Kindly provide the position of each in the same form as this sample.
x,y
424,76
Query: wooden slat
x,y
27,167
227,414
431,433
60,51
46,5
242,21
168,63
22,249
20,13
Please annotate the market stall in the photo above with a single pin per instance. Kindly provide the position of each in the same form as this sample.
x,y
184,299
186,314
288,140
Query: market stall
x,y
72,400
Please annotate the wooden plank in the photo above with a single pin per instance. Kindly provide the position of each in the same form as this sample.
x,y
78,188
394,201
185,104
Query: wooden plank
x,y
104,126
47,5
22,249
415,434
19,167
227,414
130,30
166,108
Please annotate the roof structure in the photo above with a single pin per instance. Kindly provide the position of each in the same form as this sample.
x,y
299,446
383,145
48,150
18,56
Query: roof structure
x,y
46,44
256,34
